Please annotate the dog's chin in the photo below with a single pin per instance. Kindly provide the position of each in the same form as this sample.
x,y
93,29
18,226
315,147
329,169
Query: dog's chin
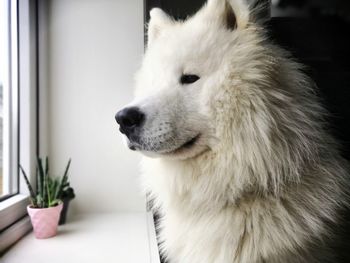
x,y
190,149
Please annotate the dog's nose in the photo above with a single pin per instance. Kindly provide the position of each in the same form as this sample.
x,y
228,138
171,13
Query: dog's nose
x,y
129,119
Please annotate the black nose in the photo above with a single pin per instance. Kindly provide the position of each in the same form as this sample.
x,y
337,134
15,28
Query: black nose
x,y
129,119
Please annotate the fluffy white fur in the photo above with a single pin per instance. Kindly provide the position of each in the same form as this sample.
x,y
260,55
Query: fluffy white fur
x,y
264,182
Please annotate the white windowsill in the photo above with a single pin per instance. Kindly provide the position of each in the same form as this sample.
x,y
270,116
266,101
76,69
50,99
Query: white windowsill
x,y
119,237
12,209
12,200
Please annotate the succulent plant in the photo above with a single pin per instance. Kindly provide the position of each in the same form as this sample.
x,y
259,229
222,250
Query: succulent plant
x,y
49,190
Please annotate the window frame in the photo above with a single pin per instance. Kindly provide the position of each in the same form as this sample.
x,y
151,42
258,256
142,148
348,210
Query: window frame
x,y
15,222
10,146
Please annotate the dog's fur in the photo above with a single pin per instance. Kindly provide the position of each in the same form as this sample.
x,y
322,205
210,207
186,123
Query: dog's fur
x,y
264,182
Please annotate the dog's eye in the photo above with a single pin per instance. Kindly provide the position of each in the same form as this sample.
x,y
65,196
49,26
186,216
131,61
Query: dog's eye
x,y
188,78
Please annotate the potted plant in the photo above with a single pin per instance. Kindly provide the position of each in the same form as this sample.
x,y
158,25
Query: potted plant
x,y
46,203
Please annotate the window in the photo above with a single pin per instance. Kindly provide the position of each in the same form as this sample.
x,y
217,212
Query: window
x,y
18,113
8,99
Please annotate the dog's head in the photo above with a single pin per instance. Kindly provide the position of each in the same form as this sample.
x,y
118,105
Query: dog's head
x,y
185,64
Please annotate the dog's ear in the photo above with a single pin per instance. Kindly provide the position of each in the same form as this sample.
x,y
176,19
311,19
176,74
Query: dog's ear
x,y
159,21
234,13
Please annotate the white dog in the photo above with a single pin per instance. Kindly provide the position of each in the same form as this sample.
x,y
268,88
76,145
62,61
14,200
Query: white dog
x,y
242,168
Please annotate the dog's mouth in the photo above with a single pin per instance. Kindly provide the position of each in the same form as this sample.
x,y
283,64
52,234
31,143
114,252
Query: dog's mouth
x,y
186,146
190,143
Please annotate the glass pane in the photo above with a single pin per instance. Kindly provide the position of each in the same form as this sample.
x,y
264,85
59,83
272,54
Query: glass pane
x,y
8,97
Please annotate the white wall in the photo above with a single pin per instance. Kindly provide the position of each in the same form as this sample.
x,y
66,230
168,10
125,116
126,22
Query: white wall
x,y
95,47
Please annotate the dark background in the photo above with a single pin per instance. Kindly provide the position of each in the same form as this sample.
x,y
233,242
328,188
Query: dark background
x,y
317,33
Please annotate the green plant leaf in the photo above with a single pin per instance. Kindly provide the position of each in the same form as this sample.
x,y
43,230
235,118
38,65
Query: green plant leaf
x,y
41,177
47,184
30,188
47,166
57,189
64,180
54,202
39,200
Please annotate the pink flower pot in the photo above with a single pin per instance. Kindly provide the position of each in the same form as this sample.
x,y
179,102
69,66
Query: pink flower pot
x,y
45,220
